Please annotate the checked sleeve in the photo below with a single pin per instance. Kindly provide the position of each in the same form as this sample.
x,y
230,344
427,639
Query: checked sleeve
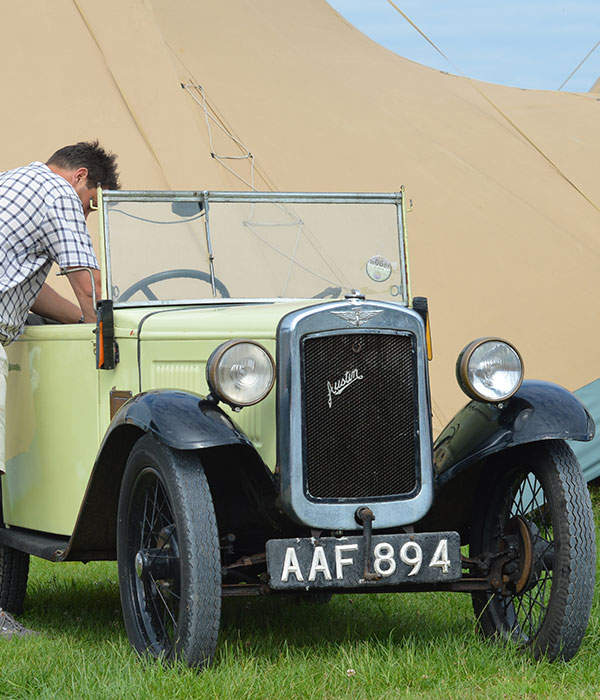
x,y
66,236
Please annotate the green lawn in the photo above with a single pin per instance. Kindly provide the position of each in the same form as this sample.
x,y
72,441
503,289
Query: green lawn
x,y
361,647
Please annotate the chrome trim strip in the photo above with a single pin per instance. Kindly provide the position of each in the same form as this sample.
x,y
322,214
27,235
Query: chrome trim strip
x,y
107,271
207,301
403,244
102,244
211,257
284,197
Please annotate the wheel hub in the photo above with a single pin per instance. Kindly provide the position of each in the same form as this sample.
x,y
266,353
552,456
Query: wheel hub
x,y
155,564
139,564
534,555
519,571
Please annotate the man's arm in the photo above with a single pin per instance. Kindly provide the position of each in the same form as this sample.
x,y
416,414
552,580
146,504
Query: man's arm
x,y
82,286
52,305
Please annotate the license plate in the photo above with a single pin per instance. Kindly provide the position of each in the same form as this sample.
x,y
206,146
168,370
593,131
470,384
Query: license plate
x,y
332,562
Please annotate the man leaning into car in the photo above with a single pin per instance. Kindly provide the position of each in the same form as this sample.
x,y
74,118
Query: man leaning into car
x,y
43,210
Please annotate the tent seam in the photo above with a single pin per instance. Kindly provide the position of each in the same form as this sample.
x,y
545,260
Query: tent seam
x,y
500,112
121,93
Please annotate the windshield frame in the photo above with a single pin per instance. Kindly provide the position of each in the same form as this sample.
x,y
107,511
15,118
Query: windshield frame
x,y
206,197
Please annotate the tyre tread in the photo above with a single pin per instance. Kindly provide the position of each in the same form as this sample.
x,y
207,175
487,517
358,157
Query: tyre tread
x,y
14,572
199,553
564,625
566,632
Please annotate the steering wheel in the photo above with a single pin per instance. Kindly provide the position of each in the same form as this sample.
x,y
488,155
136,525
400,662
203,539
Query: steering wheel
x,y
332,292
143,285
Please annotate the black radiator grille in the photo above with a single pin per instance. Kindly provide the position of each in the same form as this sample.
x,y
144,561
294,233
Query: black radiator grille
x,y
360,415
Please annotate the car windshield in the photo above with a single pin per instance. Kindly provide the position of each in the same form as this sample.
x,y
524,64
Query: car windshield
x,y
167,247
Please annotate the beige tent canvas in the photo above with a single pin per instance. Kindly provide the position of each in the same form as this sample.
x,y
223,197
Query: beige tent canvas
x,y
281,95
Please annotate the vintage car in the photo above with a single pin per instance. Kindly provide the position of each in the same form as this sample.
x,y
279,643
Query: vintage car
x,y
251,414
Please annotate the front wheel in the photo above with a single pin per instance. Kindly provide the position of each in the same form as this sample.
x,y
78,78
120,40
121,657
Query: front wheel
x,y
168,555
536,496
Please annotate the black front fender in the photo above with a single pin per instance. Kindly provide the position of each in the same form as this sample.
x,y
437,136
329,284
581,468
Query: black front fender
x,y
538,411
179,419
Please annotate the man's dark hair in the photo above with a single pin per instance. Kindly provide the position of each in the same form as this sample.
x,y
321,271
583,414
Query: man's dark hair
x,y
101,165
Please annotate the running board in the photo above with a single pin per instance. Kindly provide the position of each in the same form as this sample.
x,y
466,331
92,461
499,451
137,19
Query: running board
x,y
50,547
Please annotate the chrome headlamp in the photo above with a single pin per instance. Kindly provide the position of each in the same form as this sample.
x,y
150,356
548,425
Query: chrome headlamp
x,y
489,369
240,372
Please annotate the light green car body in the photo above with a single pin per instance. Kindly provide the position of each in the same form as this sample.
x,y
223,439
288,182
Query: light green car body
x,y
59,403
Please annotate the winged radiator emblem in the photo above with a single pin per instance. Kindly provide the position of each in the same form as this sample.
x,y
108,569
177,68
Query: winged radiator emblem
x,y
358,316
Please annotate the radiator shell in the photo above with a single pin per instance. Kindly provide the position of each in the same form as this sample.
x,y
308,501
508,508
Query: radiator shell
x,y
353,415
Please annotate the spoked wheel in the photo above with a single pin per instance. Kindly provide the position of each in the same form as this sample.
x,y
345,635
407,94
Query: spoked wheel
x,y
168,555
537,503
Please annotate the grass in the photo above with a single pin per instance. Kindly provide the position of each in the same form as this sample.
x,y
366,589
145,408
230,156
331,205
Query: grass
x,y
356,648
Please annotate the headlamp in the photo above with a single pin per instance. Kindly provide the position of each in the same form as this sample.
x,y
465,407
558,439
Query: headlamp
x,y
240,372
489,369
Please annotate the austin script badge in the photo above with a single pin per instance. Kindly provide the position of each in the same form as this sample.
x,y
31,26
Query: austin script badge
x,y
340,385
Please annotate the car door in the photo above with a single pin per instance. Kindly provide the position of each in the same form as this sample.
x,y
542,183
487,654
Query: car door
x,y
52,426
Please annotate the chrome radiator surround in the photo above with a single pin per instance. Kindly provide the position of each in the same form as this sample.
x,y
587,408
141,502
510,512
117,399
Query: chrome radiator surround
x,y
351,318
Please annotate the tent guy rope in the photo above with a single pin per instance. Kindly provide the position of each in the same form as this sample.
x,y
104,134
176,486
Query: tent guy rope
x,y
211,119
503,114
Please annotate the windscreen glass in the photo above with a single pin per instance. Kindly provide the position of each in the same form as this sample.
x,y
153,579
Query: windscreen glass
x,y
162,250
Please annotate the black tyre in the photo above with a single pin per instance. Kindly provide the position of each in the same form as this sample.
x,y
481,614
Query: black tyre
x,y
14,570
168,555
537,495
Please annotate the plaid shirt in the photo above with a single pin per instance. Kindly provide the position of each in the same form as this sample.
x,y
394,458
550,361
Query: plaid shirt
x,y
41,222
